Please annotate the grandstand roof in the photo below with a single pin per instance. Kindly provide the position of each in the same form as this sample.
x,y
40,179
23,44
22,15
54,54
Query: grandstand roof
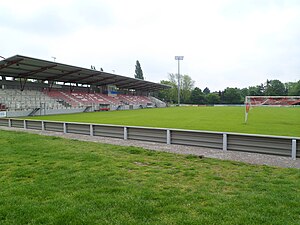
x,y
19,66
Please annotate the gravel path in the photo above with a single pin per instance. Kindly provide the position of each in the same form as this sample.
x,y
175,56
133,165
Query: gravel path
x,y
251,158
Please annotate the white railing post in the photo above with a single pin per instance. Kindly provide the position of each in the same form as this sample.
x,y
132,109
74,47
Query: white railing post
x,y
91,130
24,124
168,137
125,133
224,142
294,150
65,128
43,126
9,122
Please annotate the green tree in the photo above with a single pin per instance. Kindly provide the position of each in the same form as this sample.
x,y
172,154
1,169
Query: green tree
x,y
197,96
170,94
186,86
255,90
232,96
206,90
213,98
293,88
244,92
138,71
274,87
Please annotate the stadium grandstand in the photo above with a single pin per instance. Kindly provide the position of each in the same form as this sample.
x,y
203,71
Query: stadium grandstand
x,y
31,86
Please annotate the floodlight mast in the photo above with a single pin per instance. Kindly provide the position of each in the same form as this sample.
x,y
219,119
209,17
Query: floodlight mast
x,y
178,58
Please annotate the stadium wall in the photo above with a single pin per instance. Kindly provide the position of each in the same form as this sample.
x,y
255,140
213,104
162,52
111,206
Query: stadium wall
x,y
264,144
40,112
22,113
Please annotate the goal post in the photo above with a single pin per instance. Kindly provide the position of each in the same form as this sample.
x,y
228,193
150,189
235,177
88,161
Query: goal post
x,y
247,108
279,101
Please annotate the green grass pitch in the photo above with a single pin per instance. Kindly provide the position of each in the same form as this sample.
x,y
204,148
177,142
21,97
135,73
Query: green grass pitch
x,y
280,121
51,180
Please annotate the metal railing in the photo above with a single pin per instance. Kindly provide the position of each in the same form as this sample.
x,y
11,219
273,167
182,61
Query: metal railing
x,y
264,144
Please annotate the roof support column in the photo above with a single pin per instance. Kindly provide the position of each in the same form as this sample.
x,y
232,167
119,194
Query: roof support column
x,y
22,83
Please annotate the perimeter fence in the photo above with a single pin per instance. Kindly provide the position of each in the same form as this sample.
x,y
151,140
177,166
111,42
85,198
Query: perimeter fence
x,y
225,141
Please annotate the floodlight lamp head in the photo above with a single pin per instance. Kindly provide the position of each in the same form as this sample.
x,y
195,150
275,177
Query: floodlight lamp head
x,y
178,57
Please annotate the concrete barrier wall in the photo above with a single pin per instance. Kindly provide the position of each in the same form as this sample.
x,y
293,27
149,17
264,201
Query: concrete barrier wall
x,y
272,145
23,113
42,112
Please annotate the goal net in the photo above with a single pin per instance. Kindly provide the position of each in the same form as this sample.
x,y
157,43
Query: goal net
x,y
252,101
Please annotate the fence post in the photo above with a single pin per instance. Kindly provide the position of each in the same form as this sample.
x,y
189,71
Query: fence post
x,y
65,128
168,137
9,122
224,142
91,130
294,150
43,126
24,124
125,133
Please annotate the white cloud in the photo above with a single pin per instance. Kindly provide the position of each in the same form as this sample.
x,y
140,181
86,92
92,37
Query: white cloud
x,y
225,42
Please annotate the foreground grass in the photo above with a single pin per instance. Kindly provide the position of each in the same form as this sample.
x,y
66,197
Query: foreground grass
x,y
262,120
49,180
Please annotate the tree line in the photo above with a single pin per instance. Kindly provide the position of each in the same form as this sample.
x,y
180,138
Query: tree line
x,y
189,94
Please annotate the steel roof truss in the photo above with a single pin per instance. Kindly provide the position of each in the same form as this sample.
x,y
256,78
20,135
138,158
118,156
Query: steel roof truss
x,y
81,78
10,63
62,75
113,82
99,80
129,83
138,86
36,71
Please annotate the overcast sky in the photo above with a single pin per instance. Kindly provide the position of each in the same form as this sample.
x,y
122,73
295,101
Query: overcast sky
x,y
225,43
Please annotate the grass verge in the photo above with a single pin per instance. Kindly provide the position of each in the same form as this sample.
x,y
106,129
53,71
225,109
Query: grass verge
x,y
50,180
